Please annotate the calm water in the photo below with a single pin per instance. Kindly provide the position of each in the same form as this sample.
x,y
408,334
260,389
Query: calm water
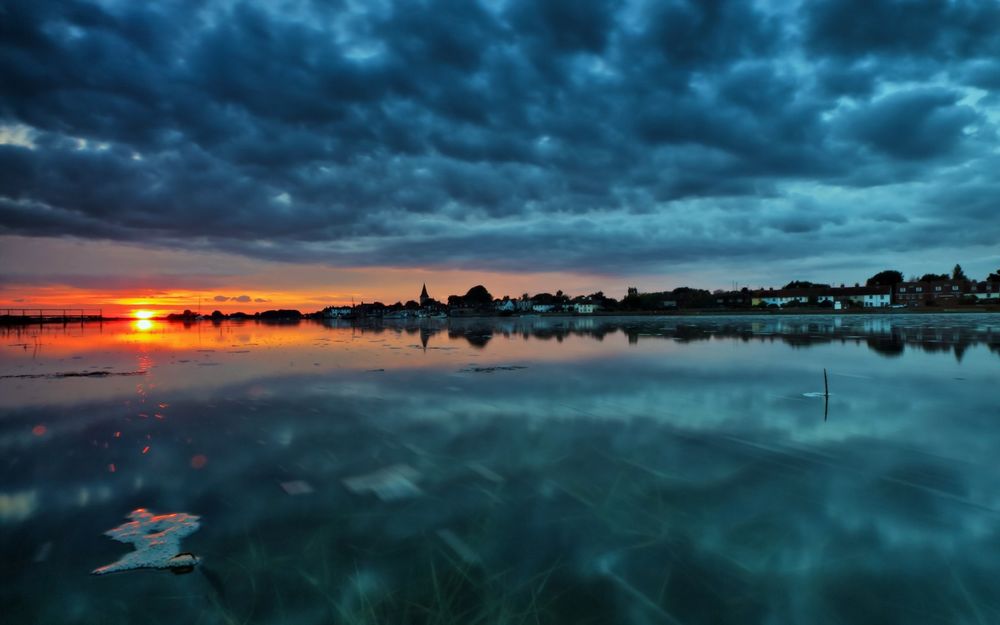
x,y
645,470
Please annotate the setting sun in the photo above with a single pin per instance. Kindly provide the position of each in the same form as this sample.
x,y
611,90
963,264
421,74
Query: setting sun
x,y
143,314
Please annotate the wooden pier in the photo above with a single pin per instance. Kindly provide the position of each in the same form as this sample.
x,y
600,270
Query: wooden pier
x,y
28,316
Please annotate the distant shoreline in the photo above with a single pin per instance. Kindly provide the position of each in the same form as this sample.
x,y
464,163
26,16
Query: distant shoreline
x,y
705,312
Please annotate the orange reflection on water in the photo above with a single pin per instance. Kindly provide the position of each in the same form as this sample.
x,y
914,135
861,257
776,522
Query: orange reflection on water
x,y
171,357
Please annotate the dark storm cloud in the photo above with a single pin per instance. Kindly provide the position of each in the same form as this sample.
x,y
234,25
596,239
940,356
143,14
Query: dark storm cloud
x,y
164,282
596,136
235,298
912,124
937,29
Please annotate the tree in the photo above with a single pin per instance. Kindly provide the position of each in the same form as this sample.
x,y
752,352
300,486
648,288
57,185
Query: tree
x,y
934,277
804,284
478,296
631,301
889,277
994,277
957,273
602,300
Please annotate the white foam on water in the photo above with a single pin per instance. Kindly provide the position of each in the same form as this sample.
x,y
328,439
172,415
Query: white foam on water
x,y
157,542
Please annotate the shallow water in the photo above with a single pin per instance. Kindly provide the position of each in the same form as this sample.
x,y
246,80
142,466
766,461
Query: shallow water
x,y
601,470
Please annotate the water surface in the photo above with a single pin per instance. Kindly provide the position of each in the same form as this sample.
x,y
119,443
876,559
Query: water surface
x,y
601,470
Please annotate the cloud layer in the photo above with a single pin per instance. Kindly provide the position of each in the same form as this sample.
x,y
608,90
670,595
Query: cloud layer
x,y
523,136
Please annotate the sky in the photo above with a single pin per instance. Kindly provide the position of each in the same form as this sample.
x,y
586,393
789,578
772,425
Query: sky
x,y
304,153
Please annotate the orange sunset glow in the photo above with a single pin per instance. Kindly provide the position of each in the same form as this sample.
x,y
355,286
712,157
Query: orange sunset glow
x,y
259,286
143,314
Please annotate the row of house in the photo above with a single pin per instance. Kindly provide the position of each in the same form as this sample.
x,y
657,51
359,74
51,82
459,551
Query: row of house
x,y
507,305
905,294
948,291
429,307
835,297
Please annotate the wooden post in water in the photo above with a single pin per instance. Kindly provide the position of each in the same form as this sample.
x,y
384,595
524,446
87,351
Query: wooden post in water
x,y
826,396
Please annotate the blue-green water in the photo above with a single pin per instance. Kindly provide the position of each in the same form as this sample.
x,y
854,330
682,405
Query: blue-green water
x,y
642,470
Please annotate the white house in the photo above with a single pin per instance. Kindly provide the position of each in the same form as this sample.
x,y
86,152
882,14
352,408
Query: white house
x,y
840,297
337,312
787,296
985,290
585,308
877,300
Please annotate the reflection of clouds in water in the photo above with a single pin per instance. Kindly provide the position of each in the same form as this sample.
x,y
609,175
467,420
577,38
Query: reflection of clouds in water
x,y
706,503
693,471
19,506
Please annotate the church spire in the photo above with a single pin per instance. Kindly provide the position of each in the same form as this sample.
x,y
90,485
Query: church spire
x,y
424,297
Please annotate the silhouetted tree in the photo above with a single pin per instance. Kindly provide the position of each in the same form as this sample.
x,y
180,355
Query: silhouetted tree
x,y
804,284
934,277
603,301
957,273
478,294
476,297
889,277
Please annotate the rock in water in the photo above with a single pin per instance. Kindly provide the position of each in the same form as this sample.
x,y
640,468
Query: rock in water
x,y
157,542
